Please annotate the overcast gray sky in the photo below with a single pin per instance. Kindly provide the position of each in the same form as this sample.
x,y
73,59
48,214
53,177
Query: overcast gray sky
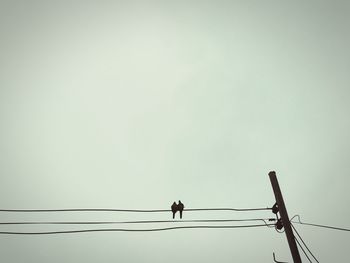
x,y
136,104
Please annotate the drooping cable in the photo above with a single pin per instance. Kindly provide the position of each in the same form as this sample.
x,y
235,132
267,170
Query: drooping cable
x,y
303,249
125,230
318,225
304,243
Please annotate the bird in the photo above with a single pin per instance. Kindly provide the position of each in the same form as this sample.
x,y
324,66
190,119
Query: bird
x,y
180,207
174,209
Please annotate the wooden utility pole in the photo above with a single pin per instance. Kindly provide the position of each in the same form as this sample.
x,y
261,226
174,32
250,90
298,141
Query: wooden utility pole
x,y
284,216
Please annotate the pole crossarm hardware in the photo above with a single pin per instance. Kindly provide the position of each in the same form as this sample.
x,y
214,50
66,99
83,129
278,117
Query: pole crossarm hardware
x,y
284,217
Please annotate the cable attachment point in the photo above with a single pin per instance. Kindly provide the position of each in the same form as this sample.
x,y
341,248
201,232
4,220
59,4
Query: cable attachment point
x,y
275,208
279,224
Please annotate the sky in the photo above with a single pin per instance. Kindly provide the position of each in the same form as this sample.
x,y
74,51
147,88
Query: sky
x,y
137,104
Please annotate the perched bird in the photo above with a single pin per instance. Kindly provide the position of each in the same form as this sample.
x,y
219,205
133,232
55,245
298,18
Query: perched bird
x,y
174,209
180,207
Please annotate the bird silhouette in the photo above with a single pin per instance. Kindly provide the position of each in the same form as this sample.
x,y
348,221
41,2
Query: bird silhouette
x,y
180,207
174,209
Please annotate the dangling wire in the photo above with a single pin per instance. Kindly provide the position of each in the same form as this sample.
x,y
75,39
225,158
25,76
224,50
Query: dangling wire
x,y
303,250
304,243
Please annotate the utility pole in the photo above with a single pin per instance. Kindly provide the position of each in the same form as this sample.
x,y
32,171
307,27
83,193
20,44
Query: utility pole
x,y
284,216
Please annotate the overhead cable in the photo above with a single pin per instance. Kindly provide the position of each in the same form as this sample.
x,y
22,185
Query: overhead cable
x,y
317,225
132,222
126,230
128,210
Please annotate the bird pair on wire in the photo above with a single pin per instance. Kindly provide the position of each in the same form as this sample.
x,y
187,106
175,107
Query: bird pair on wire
x,y
177,207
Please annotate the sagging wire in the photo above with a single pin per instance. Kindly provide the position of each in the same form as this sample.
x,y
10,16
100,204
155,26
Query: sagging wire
x,y
304,243
318,225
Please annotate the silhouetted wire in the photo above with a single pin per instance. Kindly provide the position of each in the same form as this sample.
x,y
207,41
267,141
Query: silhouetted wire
x,y
133,222
302,249
129,210
317,225
124,230
279,231
304,243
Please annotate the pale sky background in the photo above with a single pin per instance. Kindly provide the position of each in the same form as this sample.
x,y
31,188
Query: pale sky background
x,y
136,104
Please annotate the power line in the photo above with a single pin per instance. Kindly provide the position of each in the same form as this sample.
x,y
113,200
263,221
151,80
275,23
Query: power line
x,y
304,243
317,225
133,222
228,209
303,250
128,210
126,230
